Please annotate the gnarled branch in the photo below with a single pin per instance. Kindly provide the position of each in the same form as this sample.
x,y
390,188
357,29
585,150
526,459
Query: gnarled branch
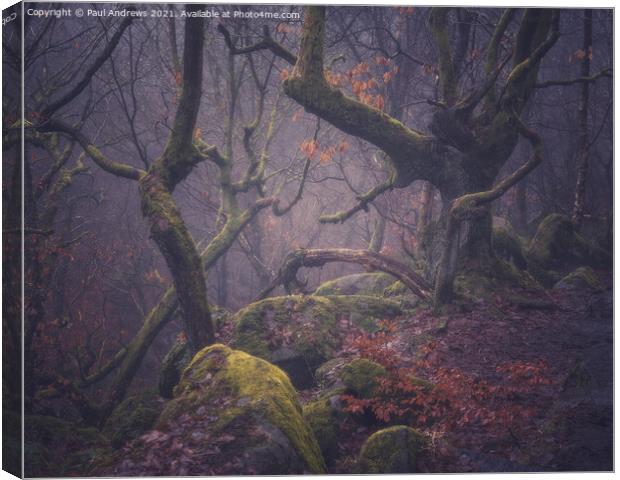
x,y
298,259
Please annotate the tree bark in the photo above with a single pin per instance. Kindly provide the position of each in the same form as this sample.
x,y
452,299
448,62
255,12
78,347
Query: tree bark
x,y
584,147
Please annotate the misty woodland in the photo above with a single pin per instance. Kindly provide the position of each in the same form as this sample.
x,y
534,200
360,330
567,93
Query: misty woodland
x,y
362,240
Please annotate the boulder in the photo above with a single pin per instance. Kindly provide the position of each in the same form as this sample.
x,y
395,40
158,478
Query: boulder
x,y
356,284
133,417
232,414
391,450
361,377
299,333
583,278
557,249
324,416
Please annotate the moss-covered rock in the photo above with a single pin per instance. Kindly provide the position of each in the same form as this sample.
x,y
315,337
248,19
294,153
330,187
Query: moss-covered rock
x,y
324,416
57,448
172,367
494,276
361,377
233,414
299,333
508,246
396,289
391,450
583,278
133,417
557,249
356,284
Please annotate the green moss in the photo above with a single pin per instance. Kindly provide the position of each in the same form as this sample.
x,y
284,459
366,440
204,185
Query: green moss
x,y
55,447
581,278
327,375
134,416
362,377
243,396
299,333
557,249
395,289
391,450
324,417
357,284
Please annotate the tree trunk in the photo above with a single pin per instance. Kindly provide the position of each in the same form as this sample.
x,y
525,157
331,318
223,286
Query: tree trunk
x,y
584,148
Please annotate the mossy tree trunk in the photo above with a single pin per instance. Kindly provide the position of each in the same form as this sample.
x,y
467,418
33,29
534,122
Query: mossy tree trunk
x,y
469,145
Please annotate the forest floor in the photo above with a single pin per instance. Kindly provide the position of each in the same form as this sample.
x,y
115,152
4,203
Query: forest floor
x,y
528,381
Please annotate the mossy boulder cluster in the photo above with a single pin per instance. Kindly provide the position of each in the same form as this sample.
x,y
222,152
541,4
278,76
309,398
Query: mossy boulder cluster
x,y
232,413
556,250
391,450
299,333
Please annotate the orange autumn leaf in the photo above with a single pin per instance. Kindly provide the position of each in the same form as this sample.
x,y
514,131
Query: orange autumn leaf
x,y
284,74
309,148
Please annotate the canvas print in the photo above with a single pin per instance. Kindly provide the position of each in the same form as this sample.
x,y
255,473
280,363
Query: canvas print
x,y
288,240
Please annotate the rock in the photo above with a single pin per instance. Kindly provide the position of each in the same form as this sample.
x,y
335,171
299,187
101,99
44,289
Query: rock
x,y
557,249
172,367
391,450
357,284
55,448
584,278
324,416
232,414
299,333
361,377
133,417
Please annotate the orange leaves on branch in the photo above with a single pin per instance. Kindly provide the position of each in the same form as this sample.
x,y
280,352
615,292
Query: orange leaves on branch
x,y
284,74
580,55
335,79
343,146
381,60
309,148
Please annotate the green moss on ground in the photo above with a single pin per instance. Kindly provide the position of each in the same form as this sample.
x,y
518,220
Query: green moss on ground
x,y
391,450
